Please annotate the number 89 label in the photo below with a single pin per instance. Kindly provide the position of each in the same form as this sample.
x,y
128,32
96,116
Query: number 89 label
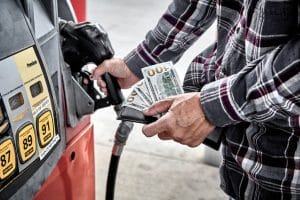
x,y
45,128
26,142
7,159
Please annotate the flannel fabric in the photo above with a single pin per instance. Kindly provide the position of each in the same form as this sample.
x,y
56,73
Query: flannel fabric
x,y
249,84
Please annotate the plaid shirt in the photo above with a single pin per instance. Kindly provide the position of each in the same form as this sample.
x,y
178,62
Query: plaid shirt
x,y
249,84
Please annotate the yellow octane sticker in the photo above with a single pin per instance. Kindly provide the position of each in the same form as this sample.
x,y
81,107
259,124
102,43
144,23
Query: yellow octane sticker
x,y
26,142
7,159
45,128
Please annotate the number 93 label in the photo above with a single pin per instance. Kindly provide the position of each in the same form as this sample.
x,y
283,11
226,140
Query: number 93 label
x,y
26,142
45,128
7,158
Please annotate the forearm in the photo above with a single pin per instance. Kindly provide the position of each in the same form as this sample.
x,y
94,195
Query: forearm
x,y
176,31
266,91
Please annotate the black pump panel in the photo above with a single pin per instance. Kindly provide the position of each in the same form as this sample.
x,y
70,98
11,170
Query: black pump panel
x,y
31,132
14,32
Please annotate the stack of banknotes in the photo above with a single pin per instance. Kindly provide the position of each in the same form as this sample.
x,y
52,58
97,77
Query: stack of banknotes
x,y
160,81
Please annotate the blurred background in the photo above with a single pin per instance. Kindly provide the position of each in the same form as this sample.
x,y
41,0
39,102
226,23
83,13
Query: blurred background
x,y
149,169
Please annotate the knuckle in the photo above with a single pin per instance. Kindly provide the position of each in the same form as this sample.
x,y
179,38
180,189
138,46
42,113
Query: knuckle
x,y
162,136
196,143
178,138
193,145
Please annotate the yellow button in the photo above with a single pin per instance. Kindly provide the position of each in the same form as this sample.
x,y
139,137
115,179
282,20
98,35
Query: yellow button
x,y
45,128
7,158
26,142
4,127
1,115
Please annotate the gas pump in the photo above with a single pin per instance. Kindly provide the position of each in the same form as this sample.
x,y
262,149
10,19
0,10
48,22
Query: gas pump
x,y
46,139
44,143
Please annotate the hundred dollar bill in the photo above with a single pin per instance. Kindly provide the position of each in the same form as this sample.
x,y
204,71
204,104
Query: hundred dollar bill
x,y
142,90
135,101
162,81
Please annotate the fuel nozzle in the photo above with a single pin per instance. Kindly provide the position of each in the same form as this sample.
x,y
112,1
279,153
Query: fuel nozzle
x,y
88,42
121,137
83,43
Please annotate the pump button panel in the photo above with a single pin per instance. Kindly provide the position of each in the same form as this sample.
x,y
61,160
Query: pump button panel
x,y
8,162
27,124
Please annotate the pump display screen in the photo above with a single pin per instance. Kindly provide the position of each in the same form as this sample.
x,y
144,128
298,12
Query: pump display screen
x,y
36,89
16,101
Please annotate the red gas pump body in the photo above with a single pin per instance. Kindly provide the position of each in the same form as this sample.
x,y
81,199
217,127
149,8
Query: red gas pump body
x,y
75,171
80,9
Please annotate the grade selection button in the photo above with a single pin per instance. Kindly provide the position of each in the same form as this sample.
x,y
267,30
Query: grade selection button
x,y
45,128
26,142
7,158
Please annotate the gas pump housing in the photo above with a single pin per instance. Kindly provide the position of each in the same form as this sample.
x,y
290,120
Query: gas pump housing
x,y
41,155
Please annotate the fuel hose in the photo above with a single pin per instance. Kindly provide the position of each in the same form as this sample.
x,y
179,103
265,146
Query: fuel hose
x,y
121,137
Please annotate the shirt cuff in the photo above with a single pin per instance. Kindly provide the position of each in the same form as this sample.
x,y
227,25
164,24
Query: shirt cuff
x,y
218,104
135,63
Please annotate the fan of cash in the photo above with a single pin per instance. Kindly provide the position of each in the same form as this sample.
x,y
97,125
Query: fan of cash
x,y
160,81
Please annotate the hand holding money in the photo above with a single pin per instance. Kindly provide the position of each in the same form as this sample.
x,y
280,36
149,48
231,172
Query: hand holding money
x,y
183,121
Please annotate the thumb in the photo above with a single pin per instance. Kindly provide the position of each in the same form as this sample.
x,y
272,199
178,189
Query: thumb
x,y
159,107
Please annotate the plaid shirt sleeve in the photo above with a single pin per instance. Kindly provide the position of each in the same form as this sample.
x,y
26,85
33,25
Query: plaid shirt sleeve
x,y
265,91
183,22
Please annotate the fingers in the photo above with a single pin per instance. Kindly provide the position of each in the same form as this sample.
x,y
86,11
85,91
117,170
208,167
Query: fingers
x,y
97,74
157,127
100,70
159,107
102,85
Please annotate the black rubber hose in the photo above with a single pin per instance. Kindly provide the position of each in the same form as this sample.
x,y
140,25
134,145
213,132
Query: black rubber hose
x,y
111,178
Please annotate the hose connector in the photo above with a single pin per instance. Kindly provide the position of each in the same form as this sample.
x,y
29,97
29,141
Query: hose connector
x,y
121,136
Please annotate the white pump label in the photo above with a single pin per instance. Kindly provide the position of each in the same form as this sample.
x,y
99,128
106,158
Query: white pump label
x,y
39,98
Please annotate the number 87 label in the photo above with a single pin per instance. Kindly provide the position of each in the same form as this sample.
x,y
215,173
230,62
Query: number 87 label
x,y
45,128
7,159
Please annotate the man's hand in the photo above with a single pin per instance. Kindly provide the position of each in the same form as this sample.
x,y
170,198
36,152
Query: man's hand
x,y
117,68
183,121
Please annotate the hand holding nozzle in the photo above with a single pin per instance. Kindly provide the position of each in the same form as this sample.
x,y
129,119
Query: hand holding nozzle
x,y
118,69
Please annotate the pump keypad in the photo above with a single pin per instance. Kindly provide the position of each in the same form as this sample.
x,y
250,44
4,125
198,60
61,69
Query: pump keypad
x,y
26,142
7,158
45,128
